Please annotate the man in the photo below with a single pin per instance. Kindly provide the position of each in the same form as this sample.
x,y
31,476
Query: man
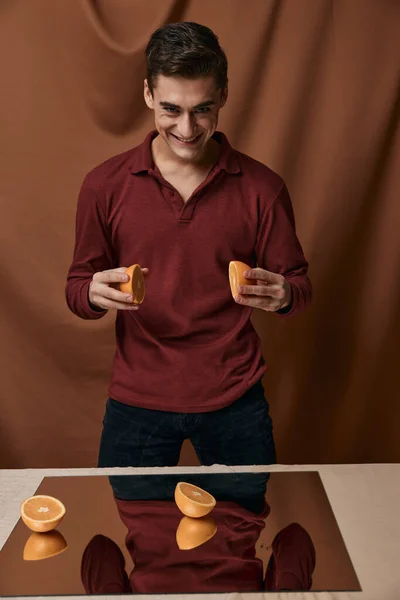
x,y
182,205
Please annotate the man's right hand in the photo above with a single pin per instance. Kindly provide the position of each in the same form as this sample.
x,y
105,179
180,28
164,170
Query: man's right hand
x,y
103,293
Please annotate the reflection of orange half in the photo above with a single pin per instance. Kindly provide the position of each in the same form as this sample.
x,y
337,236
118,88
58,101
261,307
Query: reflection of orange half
x,y
42,513
192,533
44,545
236,277
135,285
192,501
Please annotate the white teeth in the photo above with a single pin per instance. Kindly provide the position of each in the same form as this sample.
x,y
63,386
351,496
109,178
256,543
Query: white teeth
x,y
182,140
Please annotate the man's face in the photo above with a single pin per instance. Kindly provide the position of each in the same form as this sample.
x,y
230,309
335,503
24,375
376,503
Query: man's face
x,y
185,112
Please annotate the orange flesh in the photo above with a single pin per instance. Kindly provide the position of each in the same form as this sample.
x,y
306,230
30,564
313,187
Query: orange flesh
x,y
41,509
135,285
196,494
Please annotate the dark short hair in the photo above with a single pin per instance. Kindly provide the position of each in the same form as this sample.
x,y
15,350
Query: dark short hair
x,y
187,50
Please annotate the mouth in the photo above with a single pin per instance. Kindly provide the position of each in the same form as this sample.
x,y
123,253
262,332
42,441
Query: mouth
x,y
186,141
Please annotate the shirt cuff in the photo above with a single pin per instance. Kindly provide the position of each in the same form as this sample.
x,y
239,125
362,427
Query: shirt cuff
x,y
287,581
88,310
292,306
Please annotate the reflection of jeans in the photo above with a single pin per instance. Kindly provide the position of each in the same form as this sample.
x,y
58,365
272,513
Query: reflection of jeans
x,y
239,434
245,489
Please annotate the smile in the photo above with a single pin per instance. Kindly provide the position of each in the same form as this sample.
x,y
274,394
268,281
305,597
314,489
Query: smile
x,y
186,141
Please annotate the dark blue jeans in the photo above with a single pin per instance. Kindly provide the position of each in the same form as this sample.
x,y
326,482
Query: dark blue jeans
x,y
239,434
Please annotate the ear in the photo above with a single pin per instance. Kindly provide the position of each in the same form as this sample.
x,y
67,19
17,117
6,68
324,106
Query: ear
x,y
224,95
148,96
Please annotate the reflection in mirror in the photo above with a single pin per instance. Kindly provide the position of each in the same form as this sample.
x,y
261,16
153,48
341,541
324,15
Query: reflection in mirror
x,y
192,533
223,544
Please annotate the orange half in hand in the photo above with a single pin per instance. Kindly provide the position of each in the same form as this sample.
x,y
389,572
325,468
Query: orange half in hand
x,y
44,545
236,277
192,501
192,533
42,513
135,285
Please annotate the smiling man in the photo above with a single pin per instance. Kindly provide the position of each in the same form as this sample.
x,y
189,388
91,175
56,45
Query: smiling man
x,y
183,204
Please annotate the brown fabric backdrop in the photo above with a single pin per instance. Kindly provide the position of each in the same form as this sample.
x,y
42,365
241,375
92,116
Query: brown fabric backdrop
x,y
314,93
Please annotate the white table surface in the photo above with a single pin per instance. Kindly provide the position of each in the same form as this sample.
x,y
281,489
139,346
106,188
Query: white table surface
x,y
365,500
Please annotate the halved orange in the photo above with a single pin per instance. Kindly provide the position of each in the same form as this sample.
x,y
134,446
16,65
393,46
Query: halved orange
x,y
236,277
192,501
44,545
192,533
42,513
135,285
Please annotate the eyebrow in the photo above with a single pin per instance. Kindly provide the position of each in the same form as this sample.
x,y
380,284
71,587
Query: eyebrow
x,y
201,105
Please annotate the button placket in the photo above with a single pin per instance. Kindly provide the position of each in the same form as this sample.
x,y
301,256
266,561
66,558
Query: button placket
x,y
185,210
170,195
174,199
188,211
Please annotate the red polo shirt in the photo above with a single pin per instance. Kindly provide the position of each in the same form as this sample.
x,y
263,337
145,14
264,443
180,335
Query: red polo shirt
x,y
190,347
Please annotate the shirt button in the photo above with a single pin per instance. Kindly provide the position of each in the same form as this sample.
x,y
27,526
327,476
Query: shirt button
x,y
171,194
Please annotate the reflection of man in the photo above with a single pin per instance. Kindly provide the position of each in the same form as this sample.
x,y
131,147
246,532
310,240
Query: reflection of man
x,y
183,204
225,563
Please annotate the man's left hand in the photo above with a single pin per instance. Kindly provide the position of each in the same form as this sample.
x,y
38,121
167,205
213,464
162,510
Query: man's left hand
x,y
272,293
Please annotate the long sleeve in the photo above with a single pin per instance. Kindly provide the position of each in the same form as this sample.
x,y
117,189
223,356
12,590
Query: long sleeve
x,y
103,568
292,563
92,253
278,249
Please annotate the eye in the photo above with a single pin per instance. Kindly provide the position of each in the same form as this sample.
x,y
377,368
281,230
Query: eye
x,y
204,109
171,110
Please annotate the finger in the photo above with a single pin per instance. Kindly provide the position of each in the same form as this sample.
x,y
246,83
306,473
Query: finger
x,y
263,302
109,304
260,290
111,276
264,275
111,293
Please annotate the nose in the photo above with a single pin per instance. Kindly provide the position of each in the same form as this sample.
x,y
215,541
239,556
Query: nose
x,y
186,124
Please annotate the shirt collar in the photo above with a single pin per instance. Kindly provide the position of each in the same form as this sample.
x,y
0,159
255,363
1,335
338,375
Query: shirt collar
x,y
142,160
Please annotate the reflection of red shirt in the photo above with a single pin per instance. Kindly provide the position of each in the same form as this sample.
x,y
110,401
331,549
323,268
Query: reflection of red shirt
x,y
225,563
